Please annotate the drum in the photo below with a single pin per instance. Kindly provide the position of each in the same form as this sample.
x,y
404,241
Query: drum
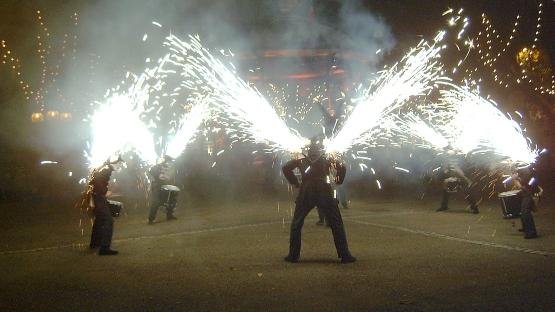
x,y
115,207
510,204
168,194
452,185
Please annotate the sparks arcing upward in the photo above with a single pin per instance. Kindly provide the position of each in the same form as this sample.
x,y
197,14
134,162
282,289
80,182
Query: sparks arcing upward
x,y
116,125
414,75
477,125
245,110
186,131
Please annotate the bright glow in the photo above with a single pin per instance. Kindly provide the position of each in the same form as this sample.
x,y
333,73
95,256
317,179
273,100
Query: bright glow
x,y
414,75
116,124
402,169
247,111
414,125
48,162
477,125
117,128
187,130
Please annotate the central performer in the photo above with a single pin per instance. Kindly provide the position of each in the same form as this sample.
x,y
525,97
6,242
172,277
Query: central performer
x,y
315,190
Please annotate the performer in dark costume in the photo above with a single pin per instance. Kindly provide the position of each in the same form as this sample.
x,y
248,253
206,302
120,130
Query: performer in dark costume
x,y
526,181
331,120
315,190
103,226
160,175
452,176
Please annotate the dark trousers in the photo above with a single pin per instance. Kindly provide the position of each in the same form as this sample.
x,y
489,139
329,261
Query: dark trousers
x,y
341,192
328,207
528,224
468,196
103,226
158,199
341,195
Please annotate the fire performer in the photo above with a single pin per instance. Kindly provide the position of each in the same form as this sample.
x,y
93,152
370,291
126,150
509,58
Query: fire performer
x,y
103,226
526,182
453,179
315,190
162,194
331,122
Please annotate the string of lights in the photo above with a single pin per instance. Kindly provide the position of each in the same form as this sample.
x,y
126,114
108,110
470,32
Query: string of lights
x,y
45,93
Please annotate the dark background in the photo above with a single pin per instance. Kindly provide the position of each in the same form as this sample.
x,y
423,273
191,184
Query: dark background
x,y
109,43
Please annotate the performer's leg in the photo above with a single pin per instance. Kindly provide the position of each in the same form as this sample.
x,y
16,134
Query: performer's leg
x,y
444,201
301,211
152,212
470,200
331,210
528,224
171,207
95,237
96,234
106,228
342,196
155,203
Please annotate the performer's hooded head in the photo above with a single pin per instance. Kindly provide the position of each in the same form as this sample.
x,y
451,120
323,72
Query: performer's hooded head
x,y
315,149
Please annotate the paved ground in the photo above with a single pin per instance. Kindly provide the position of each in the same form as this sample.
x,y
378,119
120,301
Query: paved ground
x,y
229,257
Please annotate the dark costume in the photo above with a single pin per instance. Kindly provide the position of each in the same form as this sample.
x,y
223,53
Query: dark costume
x,y
315,190
331,124
103,225
160,176
526,181
449,170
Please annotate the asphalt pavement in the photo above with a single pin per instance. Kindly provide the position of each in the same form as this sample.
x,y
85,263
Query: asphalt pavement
x,y
229,257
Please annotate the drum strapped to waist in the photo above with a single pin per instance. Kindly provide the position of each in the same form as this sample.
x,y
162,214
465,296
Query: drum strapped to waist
x,y
115,207
510,203
169,193
452,185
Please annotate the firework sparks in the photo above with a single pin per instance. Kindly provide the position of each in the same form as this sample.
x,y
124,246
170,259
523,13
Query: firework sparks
x,y
414,125
413,76
132,134
255,119
123,111
186,131
478,125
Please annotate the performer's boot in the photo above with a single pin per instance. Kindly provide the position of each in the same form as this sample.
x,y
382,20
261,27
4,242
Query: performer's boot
x,y
106,251
528,224
348,259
